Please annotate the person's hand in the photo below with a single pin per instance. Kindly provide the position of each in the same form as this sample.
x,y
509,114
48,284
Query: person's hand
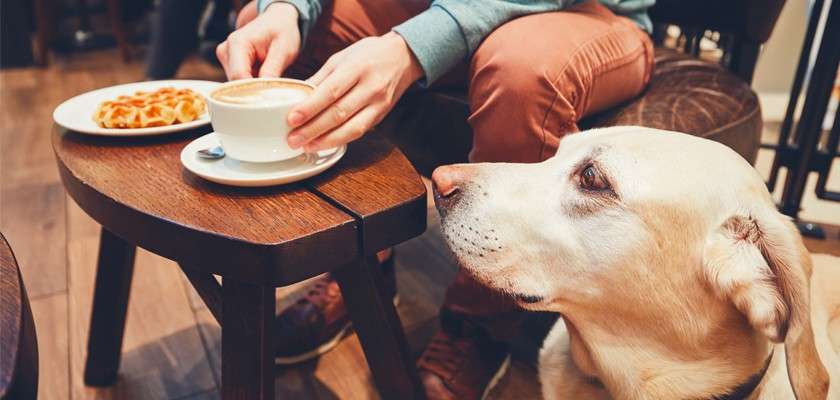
x,y
263,47
355,89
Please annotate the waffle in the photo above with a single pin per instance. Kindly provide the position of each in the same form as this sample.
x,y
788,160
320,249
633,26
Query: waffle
x,y
163,107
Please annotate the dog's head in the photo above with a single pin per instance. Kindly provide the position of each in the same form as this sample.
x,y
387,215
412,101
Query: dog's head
x,y
642,224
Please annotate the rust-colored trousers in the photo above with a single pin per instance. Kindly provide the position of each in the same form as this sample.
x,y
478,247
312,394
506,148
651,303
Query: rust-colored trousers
x,y
529,82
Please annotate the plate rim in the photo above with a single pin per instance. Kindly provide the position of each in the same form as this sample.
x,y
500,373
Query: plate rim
x,y
133,132
259,182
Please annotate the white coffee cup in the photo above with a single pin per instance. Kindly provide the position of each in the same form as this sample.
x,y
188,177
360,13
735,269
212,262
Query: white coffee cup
x,y
252,124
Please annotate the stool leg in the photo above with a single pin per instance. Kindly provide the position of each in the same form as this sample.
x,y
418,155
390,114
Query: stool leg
x,y
376,322
247,344
110,302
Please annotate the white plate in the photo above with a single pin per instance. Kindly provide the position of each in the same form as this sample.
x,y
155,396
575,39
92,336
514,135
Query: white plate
x,y
228,171
76,114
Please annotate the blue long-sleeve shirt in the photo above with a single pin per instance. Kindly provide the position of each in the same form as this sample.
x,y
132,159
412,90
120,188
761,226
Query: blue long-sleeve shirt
x,y
451,30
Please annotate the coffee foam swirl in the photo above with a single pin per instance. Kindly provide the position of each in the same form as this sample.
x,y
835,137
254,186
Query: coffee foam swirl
x,y
262,93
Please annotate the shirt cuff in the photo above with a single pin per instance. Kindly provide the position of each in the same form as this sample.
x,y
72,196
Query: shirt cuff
x,y
437,41
305,15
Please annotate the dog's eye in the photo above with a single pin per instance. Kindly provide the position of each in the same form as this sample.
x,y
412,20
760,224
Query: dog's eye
x,y
591,179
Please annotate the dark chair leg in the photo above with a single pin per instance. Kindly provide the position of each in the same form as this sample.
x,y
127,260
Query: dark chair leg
x,y
118,28
744,57
376,322
43,30
110,301
247,344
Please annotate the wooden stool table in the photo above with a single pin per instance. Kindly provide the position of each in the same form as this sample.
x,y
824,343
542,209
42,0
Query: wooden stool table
x,y
256,239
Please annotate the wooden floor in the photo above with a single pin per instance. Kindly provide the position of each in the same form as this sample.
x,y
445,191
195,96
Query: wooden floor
x,y
171,348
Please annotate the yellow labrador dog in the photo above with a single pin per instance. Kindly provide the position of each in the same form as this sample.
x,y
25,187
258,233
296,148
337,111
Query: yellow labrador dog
x,y
664,253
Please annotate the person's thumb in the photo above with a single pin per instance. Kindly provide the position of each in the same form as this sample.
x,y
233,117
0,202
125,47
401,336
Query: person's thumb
x,y
247,14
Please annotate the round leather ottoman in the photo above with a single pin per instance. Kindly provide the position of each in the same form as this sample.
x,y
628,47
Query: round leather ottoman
x,y
693,96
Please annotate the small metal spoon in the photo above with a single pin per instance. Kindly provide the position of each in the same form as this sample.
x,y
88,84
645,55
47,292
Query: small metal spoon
x,y
212,153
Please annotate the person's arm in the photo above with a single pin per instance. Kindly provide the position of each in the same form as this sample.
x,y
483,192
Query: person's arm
x,y
451,30
308,13
360,84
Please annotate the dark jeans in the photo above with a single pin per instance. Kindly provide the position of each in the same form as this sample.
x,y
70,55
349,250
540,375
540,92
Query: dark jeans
x,y
175,33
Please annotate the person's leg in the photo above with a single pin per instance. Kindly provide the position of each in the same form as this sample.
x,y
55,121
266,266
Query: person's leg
x,y
535,77
174,34
216,30
531,81
218,26
314,324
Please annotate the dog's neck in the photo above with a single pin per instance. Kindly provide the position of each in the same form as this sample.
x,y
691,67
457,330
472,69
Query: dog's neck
x,y
634,367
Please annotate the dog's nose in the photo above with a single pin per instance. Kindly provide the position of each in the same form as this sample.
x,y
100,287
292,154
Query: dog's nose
x,y
447,184
445,180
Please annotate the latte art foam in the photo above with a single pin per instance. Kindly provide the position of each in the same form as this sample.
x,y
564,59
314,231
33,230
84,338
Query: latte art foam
x,y
262,93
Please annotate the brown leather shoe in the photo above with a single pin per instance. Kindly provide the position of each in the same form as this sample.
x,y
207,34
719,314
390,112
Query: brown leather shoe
x,y
316,323
462,362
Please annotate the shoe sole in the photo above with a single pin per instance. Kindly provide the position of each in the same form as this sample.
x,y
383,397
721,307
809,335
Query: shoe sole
x,y
497,377
323,348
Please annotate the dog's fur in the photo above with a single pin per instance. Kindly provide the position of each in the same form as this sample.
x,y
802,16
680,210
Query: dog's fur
x,y
675,279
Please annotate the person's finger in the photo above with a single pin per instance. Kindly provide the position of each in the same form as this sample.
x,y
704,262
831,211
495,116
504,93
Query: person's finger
x,y
247,14
334,116
328,92
276,59
241,57
222,55
322,73
351,130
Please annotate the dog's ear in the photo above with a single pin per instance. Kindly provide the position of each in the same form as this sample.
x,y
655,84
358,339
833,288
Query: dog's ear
x,y
759,263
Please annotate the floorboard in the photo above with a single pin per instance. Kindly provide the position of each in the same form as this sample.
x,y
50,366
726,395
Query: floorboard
x,y
163,356
79,224
50,313
34,224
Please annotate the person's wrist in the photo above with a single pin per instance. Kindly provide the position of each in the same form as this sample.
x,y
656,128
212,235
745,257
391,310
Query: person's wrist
x,y
282,11
412,70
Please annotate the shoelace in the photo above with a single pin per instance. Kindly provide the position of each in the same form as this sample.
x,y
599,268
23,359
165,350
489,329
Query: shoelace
x,y
319,294
447,353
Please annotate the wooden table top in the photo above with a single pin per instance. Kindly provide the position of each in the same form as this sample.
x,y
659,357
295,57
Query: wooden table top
x,y
138,189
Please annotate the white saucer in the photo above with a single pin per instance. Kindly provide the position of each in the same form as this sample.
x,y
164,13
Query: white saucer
x,y
228,171
76,114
